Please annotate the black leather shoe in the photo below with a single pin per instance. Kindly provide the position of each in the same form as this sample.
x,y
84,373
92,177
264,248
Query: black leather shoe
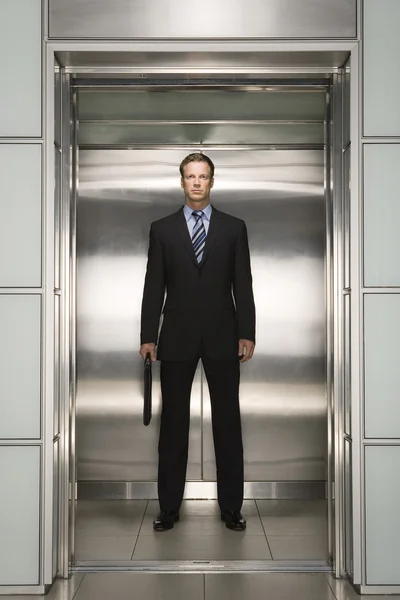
x,y
165,520
233,520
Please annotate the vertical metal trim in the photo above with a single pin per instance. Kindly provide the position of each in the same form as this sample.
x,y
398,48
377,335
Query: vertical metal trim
x,y
337,144
356,314
48,321
64,329
72,322
328,316
45,19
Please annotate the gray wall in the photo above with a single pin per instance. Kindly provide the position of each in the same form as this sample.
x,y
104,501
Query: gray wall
x,y
23,438
380,290
21,292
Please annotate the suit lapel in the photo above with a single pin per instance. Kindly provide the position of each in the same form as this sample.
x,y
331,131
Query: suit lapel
x,y
215,224
183,231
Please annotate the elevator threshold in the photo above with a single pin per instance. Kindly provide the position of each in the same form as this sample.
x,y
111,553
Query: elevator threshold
x,y
203,566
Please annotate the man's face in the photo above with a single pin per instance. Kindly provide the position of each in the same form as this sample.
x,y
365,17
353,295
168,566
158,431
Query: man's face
x,y
197,182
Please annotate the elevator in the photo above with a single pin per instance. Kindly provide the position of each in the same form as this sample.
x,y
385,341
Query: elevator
x,y
270,171
269,145
274,141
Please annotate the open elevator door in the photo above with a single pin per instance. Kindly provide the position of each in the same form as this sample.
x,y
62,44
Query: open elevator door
x,y
270,170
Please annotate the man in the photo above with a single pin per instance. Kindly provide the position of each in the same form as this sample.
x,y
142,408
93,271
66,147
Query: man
x,y
199,256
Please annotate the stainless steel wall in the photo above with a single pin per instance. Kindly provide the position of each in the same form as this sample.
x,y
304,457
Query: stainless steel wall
x,y
280,194
224,19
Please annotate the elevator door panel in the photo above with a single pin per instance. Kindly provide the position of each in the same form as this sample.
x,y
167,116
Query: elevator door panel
x,y
280,195
120,194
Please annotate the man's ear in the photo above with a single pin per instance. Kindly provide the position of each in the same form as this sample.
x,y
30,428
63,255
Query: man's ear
x,y
212,183
181,182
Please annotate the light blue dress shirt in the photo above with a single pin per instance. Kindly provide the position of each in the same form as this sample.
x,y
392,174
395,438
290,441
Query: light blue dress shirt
x,y
191,221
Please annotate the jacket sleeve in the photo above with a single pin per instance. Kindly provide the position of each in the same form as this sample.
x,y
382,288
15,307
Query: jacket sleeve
x,y
154,290
243,288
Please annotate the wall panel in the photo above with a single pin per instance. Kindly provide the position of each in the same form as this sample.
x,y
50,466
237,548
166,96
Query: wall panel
x,y
19,515
20,215
20,68
381,215
20,324
382,374
382,501
381,72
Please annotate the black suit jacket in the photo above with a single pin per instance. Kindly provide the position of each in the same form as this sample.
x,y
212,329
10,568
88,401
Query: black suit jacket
x,y
210,303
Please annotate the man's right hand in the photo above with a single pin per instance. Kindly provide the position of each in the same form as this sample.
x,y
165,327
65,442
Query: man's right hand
x,y
145,348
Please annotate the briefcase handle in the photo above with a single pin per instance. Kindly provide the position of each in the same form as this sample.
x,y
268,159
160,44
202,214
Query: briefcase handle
x,y
147,360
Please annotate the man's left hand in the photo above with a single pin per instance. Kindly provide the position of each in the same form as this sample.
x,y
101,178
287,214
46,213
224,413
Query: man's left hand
x,y
246,350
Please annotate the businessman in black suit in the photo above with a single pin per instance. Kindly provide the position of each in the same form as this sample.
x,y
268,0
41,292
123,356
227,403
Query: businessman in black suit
x,y
200,257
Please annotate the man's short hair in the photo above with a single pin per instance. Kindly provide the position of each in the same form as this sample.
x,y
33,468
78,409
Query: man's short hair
x,y
196,157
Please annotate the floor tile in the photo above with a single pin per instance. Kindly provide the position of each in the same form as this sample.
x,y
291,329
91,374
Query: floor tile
x,y
202,525
203,507
295,526
104,548
309,518
342,589
292,508
300,547
267,586
109,517
141,586
65,589
234,546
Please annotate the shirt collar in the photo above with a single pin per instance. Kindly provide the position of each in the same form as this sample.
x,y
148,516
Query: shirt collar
x,y
188,212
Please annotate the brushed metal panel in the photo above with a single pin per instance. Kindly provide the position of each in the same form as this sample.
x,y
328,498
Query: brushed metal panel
x,y
348,507
346,215
57,367
205,490
346,103
187,62
201,105
281,196
57,103
57,215
347,365
208,19
120,193
56,508
111,133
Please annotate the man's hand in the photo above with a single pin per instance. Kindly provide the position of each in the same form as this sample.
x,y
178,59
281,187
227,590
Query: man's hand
x,y
145,348
246,350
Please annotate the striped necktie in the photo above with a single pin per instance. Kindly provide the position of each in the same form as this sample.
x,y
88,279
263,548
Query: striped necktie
x,y
198,235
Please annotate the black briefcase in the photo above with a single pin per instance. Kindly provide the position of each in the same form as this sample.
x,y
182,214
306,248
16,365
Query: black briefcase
x,y
147,390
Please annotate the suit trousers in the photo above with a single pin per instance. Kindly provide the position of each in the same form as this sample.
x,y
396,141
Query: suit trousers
x,y
223,378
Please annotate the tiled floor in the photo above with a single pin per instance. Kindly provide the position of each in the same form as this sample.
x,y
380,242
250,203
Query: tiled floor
x,y
122,530
243,586
277,530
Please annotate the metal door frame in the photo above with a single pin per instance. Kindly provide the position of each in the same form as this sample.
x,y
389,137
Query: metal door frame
x,y
67,437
